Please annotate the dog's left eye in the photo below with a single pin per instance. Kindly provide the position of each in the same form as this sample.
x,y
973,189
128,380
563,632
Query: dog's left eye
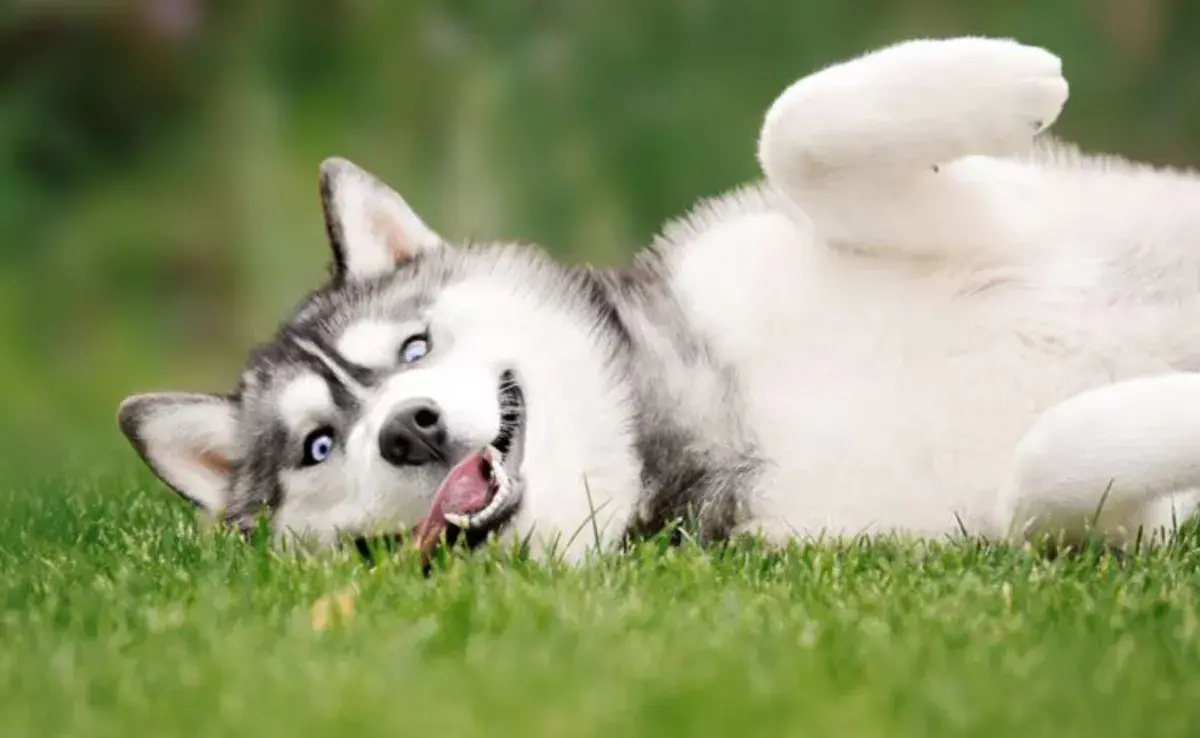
x,y
414,349
318,446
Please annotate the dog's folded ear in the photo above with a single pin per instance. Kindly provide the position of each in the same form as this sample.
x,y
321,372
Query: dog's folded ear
x,y
371,228
188,440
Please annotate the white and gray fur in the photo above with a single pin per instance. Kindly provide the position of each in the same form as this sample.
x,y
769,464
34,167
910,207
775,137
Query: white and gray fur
x,y
925,319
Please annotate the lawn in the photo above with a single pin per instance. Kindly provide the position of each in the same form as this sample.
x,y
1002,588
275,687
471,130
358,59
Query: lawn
x,y
121,617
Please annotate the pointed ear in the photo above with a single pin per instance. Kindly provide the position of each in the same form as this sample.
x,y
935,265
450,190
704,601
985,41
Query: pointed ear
x,y
188,440
370,227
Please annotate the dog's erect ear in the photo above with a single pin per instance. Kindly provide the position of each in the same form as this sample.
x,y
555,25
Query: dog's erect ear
x,y
188,440
371,228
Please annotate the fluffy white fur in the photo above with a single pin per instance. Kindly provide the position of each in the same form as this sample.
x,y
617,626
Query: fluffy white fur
x,y
912,314
373,343
305,401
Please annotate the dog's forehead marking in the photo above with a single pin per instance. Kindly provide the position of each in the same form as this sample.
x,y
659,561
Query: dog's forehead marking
x,y
371,343
351,384
303,398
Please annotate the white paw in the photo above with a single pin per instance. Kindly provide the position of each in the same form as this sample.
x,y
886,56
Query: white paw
x,y
919,103
985,95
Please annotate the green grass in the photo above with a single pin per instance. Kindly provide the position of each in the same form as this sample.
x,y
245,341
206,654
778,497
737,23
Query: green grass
x,y
121,617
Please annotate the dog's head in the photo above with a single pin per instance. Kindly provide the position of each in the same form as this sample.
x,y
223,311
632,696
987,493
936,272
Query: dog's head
x,y
416,356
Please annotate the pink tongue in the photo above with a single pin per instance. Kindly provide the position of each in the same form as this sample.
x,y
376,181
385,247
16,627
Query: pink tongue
x,y
465,490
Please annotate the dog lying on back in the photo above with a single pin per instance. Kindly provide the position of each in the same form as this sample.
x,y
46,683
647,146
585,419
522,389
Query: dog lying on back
x,y
925,320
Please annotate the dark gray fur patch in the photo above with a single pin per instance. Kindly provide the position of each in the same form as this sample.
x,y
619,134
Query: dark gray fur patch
x,y
688,478
686,487
256,487
257,477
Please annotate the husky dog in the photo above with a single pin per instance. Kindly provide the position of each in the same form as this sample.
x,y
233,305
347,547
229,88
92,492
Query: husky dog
x,y
925,320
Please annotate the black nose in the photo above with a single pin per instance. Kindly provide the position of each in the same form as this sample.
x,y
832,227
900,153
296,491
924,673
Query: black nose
x,y
414,435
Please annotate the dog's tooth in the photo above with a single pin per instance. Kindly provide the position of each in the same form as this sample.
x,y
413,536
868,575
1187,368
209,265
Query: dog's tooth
x,y
485,515
502,494
458,521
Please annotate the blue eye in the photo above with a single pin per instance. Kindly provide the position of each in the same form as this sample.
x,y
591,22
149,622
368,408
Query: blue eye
x,y
414,349
318,446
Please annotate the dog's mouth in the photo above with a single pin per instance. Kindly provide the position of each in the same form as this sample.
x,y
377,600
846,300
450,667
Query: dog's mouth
x,y
483,491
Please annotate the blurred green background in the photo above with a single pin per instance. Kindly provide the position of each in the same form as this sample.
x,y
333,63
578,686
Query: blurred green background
x,y
158,200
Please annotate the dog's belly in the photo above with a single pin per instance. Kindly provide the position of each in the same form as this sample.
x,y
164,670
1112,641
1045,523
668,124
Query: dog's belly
x,y
887,395
905,419
914,447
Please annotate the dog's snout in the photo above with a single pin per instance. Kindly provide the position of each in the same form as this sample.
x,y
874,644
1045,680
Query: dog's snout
x,y
414,435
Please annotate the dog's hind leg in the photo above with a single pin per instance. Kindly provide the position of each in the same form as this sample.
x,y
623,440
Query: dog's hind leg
x,y
1121,462
883,151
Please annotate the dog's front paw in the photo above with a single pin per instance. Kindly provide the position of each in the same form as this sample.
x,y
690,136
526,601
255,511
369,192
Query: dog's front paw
x,y
986,95
916,104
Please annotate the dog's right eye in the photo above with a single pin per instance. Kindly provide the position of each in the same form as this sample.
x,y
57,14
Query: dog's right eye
x,y
414,349
318,446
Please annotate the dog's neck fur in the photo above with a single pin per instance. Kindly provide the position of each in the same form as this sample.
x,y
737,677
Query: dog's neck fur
x,y
698,461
